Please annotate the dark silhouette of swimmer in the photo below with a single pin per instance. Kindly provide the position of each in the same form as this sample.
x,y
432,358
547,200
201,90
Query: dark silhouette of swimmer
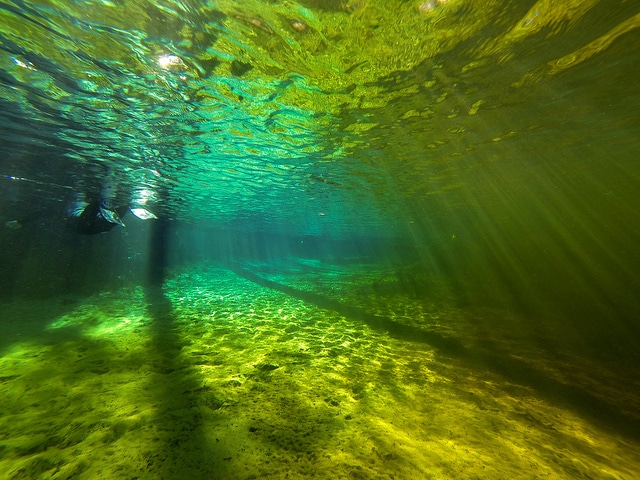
x,y
97,216
100,214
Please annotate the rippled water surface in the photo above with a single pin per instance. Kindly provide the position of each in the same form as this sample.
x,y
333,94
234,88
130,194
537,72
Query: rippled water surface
x,y
282,110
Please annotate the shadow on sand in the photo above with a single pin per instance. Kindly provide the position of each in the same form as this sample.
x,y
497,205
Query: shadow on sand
x,y
182,449
596,409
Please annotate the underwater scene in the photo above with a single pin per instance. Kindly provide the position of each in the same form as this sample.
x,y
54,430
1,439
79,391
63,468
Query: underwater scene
x,y
324,239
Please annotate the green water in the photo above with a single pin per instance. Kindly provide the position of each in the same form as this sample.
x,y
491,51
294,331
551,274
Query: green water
x,y
397,239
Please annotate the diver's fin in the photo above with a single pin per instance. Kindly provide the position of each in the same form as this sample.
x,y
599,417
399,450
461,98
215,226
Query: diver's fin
x,y
142,213
111,216
13,225
76,212
77,208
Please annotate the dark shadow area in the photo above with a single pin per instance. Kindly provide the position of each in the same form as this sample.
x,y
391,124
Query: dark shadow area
x,y
597,410
181,452
445,345
24,321
43,259
158,255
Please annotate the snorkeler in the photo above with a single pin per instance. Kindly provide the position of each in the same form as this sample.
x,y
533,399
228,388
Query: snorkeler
x,y
96,216
99,215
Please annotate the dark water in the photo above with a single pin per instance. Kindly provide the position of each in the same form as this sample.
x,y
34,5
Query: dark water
x,y
483,154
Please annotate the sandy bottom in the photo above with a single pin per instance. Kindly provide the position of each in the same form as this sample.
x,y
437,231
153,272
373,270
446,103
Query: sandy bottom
x,y
217,376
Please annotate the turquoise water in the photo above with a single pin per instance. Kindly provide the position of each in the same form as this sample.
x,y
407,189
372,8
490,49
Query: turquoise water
x,y
394,239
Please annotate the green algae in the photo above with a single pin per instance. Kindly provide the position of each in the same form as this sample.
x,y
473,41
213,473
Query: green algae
x,y
245,381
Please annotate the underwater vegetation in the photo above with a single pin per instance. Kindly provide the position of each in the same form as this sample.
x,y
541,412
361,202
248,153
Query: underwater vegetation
x,y
233,379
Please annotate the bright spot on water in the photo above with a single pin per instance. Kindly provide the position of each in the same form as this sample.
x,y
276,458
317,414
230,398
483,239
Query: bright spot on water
x,y
170,60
